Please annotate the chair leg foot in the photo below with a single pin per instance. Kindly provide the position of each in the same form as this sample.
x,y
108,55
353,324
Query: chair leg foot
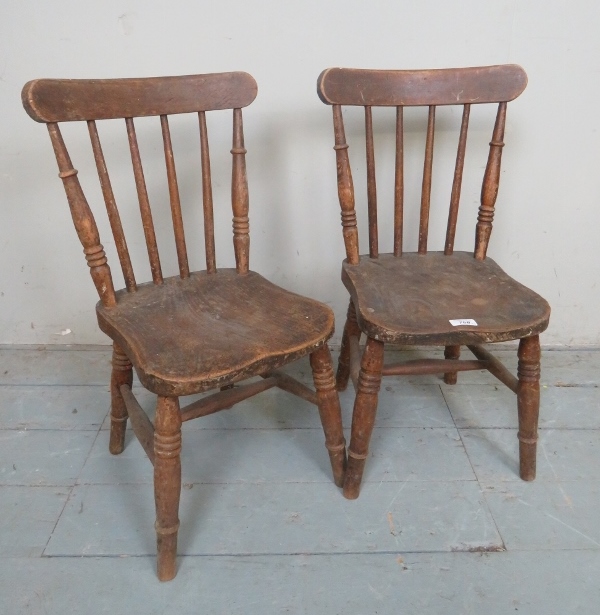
x,y
527,460
528,403
363,415
350,329
329,411
354,474
122,373
166,558
453,353
167,484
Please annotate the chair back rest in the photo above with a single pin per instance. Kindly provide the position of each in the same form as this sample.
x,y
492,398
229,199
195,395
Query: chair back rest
x,y
62,100
408,88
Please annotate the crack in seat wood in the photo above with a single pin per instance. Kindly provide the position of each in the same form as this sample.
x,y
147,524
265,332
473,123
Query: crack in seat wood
x,y
196,331
410,298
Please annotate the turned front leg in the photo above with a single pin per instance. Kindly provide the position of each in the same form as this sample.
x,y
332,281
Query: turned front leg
x,y
122,373
528,401
167,483
351,329
453,353
329,410
363,416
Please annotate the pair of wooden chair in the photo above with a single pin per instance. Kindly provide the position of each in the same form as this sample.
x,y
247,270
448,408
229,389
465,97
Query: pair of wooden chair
x,y
206,330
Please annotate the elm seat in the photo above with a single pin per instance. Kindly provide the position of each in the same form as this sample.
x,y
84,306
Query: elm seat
x,y
211,330
201,330
411,300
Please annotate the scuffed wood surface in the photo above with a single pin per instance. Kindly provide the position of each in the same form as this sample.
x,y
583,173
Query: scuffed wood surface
x,y
191,335
446,86
410,300
66,100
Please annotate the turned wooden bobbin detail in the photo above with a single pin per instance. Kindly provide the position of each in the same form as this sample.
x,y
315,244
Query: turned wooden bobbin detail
x,y
122,374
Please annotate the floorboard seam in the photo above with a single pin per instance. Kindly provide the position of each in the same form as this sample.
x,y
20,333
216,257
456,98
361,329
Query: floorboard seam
x,y
481,490
71,490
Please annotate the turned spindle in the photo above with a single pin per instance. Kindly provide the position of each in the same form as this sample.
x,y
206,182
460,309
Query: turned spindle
x,y
345,188
239,196
83,219
426,188
399,183
489,189
457,182
111,209
145,211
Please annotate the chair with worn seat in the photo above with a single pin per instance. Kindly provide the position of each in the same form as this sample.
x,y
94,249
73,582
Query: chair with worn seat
x,y
198,330
426,298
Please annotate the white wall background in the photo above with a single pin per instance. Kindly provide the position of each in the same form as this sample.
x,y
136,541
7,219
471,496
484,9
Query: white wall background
x,y
547,216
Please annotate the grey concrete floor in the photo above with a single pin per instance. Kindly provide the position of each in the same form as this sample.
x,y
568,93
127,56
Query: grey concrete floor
x,y
443,524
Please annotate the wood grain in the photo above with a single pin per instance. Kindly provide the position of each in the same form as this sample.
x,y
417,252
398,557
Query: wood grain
x,y
410,300
83,220
446,86
345,188
121,374
167,484
399,183
457,181
192,335
66,100
528,403
111,208
371,185
351,329
489,189
145,211
207,197
426,189
239,196
182,258
363,415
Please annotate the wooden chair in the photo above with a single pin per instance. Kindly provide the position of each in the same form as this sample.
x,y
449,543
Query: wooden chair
x,y
199,330
412,298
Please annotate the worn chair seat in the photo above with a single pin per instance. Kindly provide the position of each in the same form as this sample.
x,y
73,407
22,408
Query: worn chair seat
x,y
411,299
190,335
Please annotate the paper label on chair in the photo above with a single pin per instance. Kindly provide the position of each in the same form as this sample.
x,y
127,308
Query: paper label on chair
x,y
461,322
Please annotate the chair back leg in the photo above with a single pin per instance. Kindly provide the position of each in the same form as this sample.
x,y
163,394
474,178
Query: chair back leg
x,y
122,373
330,412
351,329
451,352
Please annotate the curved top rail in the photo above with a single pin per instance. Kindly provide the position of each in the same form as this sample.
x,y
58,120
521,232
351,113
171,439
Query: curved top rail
x,y
448,86
64,100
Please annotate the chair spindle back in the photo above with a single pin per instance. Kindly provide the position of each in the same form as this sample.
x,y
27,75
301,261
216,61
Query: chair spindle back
x,y
52,101
430,88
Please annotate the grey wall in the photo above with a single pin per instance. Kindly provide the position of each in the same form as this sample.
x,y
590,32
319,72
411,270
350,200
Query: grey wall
x,y
546,231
